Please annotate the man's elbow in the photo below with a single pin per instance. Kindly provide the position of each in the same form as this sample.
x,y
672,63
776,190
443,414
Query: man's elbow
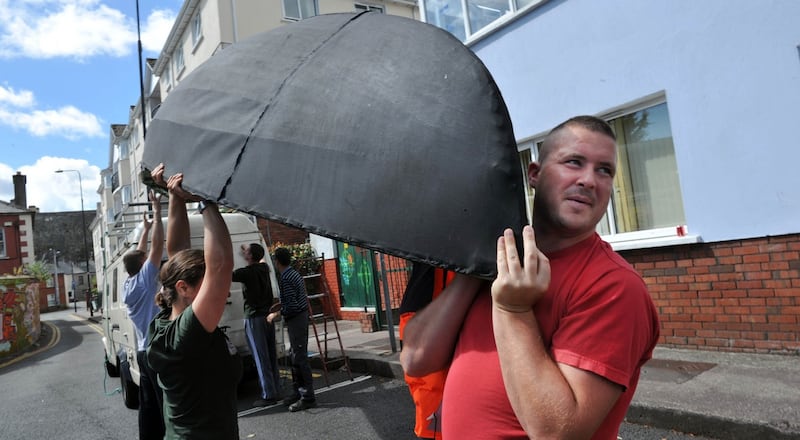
x,y
416,364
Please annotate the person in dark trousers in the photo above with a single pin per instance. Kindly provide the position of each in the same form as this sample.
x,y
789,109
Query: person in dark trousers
x,y
258,298
294,309
139,297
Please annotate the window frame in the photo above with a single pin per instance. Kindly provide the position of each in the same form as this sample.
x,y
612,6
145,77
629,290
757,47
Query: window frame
x,y
178,60
473,35
197,30
369,7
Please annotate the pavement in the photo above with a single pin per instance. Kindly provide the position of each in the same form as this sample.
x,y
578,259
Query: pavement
x,y
712,394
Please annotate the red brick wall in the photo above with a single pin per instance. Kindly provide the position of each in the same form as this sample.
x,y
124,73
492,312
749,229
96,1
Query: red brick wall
x,y
275,232
329,272
738,296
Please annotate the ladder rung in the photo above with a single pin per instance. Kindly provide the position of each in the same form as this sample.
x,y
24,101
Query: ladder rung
x,y
313,275
316,295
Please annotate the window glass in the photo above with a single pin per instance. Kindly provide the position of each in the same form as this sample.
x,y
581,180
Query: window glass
x,y
308,8
484,12
197,29
373,8
448,15
647,191
123,149
2,243
167,78
178,58
299,9
115,283
126,194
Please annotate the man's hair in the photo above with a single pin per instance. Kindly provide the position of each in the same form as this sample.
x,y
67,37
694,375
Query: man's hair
x,y
283,256
133,261
256,251
591,123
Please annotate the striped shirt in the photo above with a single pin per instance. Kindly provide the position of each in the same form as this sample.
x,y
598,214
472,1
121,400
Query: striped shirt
x,y
293,293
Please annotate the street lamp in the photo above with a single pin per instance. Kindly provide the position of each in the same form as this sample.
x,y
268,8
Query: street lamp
x,y
55,274
83,220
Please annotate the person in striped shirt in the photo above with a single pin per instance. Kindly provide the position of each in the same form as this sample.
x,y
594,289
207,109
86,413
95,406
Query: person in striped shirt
x,y
294,309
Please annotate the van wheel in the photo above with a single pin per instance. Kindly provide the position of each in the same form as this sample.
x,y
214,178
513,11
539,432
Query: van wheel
x,y
130,391
111,369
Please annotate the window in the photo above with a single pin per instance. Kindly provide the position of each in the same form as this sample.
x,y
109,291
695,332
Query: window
x,y
177,58
197,30
362,7
481,14
646,201
647,193
3,243
125,193
167,78
299,9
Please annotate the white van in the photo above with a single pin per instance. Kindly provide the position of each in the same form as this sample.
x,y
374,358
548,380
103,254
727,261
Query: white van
x,y
119,338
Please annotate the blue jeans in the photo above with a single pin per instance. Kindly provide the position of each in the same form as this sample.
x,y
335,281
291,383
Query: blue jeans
x,y
261,339
302,382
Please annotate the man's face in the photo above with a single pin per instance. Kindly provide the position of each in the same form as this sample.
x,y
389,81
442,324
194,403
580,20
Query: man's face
x,y
574,183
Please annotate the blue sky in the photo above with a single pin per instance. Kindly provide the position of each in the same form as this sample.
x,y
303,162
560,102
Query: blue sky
x,y
68,70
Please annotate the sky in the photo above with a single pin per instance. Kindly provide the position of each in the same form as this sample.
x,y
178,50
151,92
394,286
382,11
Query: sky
x,y
69,69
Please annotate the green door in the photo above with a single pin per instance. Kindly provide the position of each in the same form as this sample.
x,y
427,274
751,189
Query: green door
x,y
357,276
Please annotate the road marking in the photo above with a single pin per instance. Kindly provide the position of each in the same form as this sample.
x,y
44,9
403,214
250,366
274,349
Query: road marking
x,y
95,326
322,390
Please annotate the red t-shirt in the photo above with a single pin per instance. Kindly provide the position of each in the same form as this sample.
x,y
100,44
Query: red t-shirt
x,y
597,316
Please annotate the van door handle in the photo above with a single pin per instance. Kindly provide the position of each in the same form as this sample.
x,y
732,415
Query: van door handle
x,y
114,327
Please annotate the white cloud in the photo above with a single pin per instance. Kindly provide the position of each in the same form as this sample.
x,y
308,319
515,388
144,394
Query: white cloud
x,y
42,179
75,29
67,122
156,30
23,98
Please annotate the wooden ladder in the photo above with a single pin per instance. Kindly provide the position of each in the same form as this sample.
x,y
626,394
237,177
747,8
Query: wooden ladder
x,y
323,323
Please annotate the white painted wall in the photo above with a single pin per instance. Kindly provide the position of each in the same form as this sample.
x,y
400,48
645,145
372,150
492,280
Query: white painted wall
x,y
730,70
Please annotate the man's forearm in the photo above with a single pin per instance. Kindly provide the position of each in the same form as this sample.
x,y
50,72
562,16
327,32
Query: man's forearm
x,y
550,400
429,338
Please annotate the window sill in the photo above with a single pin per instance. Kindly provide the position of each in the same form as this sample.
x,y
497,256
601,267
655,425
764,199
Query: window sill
x,y
674,240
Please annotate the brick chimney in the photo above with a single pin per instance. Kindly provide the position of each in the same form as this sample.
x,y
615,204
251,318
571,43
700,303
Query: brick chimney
x,y
20,195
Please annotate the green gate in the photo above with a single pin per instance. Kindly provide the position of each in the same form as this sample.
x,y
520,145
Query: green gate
x,y
357,276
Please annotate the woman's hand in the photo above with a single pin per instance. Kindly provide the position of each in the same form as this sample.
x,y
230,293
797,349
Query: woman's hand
x,y
175,187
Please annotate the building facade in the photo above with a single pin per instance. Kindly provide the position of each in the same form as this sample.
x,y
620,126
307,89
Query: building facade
x,y
702,96
16,229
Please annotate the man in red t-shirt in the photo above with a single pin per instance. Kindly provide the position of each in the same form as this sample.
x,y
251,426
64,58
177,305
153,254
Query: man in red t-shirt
x,y
555,347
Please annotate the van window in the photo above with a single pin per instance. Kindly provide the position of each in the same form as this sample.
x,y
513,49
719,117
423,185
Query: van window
x,y
115,284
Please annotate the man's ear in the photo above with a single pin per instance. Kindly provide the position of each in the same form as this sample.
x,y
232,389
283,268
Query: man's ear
x,y
533,173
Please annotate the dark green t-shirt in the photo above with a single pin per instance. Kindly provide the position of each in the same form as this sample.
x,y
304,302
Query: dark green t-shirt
x,y
199,373
256,289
